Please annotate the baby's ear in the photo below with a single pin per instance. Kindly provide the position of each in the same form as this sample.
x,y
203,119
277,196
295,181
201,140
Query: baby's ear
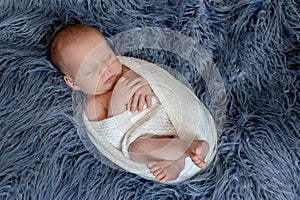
x,y
69,81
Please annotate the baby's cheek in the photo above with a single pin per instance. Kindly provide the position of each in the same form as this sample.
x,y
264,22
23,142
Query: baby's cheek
x,y
117,67
91,87
96,87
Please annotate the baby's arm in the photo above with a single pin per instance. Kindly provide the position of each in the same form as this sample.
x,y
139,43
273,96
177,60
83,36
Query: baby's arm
x,y
141,95
121,95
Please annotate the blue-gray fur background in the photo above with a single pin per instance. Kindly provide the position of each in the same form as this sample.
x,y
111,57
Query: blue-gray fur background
x,y
256,47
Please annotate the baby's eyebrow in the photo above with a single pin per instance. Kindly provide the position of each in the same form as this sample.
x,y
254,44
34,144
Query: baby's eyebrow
x,y
107,56
88,68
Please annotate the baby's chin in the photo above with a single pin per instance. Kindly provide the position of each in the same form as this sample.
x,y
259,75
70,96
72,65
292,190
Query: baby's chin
x,y
96,92
106,90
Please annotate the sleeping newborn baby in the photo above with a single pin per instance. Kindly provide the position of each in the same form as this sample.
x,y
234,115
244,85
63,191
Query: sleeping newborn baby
x,y
119,100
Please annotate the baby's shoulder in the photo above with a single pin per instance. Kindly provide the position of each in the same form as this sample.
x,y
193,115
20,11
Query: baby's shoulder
x,y
96,107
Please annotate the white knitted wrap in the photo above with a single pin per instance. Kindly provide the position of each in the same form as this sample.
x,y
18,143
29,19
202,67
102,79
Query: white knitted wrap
x,y
154,121
175,110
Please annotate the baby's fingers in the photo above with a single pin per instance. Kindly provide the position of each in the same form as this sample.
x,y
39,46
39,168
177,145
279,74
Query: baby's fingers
x,y
141,102
149,101
138,102
129,104
134,102
134,83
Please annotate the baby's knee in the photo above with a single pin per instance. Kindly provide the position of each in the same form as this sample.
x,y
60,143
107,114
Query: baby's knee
x,y
137,146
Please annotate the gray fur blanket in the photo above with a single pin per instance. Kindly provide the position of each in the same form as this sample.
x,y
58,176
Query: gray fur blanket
x,y
255,45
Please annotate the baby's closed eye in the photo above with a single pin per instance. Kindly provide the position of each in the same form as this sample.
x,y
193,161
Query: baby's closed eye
x,y
90,70
107,57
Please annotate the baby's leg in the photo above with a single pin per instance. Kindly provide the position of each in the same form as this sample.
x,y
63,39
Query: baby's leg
x,y
145,149
168,150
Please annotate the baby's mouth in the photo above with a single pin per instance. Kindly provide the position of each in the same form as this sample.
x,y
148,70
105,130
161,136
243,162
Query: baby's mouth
x,y
110,79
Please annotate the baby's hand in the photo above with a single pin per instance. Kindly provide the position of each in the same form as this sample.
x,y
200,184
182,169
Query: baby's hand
x,y
123,93
141,95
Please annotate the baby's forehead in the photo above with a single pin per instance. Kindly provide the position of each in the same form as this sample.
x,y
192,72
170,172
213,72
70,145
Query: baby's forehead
x,y
92,48
76,34
100,52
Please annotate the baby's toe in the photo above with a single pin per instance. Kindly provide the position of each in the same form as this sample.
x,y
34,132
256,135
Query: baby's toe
x,y
198,161
153,166
194,157
150,164
201,163
156,169
197,150
158,172
161,176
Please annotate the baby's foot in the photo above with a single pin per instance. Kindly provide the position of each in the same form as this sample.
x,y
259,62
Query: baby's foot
x,y
199,150
166,170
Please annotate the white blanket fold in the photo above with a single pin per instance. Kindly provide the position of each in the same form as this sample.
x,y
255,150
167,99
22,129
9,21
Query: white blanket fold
x,y
175,110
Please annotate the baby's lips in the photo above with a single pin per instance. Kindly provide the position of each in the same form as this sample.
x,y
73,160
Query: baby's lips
x,y
110,79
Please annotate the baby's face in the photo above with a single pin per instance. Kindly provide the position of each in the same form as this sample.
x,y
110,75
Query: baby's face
x,y
92,65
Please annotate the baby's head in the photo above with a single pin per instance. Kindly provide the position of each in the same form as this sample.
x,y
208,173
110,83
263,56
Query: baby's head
x,y
86,60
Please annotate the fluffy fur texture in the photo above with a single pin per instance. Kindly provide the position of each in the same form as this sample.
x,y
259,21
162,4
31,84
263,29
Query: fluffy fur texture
x,y
256,47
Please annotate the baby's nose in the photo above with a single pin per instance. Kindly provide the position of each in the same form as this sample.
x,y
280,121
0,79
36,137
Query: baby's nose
x,y
106,71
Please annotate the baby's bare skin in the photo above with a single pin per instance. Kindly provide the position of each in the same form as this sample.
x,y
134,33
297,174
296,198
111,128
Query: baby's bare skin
x,y
165,158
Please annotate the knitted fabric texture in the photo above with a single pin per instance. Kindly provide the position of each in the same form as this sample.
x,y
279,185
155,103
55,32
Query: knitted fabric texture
x,y
113,129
